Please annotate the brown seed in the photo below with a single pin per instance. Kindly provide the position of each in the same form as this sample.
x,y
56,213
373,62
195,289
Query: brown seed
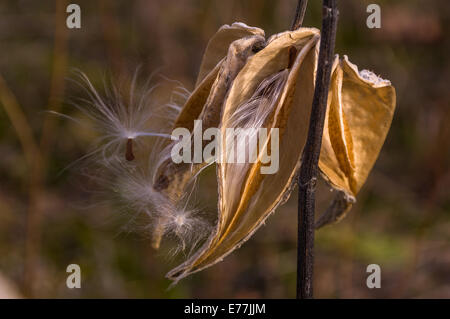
x,y
129,156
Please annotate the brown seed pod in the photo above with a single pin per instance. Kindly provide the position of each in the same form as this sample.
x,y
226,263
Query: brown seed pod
x,y
219,44
226,54
273,90
359,113
205,104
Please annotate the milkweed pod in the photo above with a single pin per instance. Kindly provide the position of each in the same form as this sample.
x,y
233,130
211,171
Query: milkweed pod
x,y
213,58
360,108
205,103
274,90
218,45
226,54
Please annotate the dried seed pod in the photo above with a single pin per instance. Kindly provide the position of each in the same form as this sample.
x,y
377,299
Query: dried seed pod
x,y
359,114
218,45
226,54
215,53
173,177
273,90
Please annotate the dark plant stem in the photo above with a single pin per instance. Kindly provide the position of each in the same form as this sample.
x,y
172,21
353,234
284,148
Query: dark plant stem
x,y
309,168
299,14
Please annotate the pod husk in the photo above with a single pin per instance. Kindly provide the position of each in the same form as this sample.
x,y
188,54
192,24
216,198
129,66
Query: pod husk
x,y
213,58
246,197
359,114
205,104
224,57
219,43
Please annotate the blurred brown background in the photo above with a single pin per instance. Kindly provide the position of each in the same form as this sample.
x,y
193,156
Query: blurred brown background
x,y
47,220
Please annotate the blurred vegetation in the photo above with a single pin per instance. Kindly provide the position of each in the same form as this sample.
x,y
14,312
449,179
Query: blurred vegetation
x,y
47,220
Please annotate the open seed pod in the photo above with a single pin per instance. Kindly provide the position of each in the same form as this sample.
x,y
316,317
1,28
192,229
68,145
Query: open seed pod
x,y
219,43
359,113
213,58
274,90
226,54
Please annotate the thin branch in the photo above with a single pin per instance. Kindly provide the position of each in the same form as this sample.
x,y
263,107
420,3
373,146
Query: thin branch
x,y
309,168
19,122
299,14
40,165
